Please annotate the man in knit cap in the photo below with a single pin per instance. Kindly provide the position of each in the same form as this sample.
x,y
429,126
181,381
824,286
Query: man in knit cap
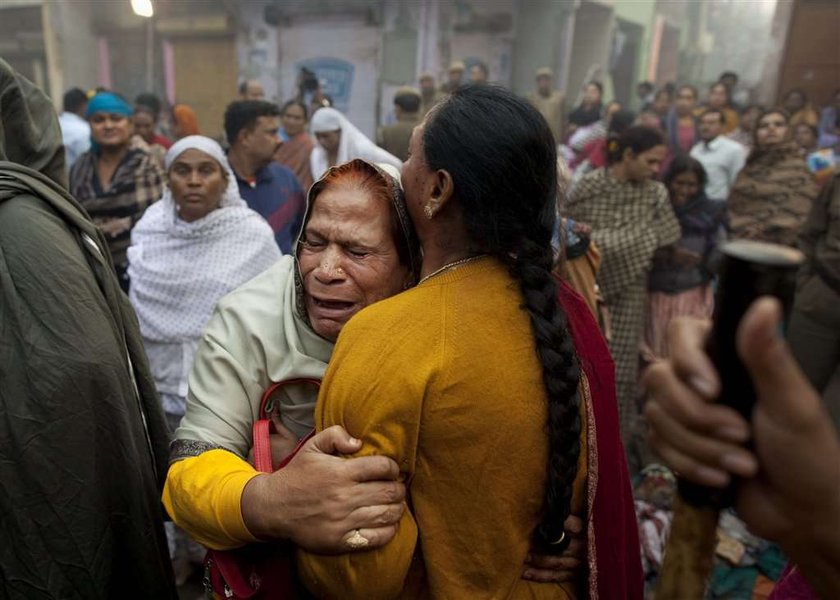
x,y
549,102
429,94
394,138
454,77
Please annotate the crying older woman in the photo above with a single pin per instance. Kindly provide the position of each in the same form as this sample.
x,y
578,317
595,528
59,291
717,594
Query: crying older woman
x,y
357,247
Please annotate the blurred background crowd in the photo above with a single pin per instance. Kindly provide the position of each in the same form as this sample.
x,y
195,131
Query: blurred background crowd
x,y
720,119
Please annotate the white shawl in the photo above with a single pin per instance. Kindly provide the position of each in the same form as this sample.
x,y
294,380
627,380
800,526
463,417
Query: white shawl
x,y
353,144
256,337
179,270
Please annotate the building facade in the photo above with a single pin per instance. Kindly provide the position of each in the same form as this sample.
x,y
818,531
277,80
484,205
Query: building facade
x,y
197,51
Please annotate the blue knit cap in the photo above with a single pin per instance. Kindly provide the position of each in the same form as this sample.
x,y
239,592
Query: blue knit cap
x,y
108,102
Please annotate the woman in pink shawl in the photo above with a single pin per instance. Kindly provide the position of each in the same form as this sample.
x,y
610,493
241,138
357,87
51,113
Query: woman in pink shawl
x,y
297,143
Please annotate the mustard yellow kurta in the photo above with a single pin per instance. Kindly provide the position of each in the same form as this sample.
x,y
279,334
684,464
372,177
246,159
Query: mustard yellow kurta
x,y
445,380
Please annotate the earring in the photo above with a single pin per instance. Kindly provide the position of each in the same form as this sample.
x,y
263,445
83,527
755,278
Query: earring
x,y
430,212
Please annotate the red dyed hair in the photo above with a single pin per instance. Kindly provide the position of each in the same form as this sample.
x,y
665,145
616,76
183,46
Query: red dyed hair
x,y
364,177
357,175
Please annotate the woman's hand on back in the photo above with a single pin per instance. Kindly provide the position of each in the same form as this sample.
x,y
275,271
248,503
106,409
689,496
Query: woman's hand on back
x,y
319,500
560,568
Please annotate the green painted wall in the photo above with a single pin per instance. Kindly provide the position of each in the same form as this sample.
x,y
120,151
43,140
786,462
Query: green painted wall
x,y
641,12
536,43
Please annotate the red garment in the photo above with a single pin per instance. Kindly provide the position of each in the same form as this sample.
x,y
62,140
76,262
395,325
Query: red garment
x,y
185,119
792,586
162,140
614,557
686,136
594,151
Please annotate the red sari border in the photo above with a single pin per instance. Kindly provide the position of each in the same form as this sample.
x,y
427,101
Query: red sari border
x,y
591,488
613,553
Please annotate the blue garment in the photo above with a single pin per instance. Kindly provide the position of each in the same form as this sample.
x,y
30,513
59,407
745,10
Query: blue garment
x,y
829,120
278,197
108,102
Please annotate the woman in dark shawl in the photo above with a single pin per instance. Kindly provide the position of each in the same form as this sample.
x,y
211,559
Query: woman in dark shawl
x,y
773,193
590,107
680,277
84,452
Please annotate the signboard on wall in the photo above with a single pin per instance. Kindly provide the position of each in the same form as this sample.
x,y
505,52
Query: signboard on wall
x,y
344,55
334,75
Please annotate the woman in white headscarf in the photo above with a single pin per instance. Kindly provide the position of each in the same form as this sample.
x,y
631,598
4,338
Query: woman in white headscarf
x,y
199,242
339,141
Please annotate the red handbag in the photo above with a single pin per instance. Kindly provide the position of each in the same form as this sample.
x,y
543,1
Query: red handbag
x,y
266,570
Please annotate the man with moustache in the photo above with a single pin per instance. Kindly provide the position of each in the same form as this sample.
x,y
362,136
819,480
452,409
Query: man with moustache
x,y
722,157
269,188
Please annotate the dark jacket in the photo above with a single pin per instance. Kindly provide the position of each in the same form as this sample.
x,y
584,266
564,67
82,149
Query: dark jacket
x,y
83,441
700,221
394,138
820,237
277,196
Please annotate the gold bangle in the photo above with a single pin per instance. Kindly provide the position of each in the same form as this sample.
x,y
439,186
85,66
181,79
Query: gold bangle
x,y
560,541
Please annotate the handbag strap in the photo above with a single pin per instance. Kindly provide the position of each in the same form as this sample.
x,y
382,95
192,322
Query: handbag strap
x,y
262,445
264,426
276,386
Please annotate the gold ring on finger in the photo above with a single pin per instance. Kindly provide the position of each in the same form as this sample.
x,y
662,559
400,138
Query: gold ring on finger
x,y
357,540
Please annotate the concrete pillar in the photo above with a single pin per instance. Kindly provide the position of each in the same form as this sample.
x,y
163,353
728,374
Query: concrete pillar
x,y
428,38
768,88
71,46
55,72
538,42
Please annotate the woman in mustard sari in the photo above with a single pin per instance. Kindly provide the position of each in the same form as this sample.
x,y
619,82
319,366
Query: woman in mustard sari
x,y
470,381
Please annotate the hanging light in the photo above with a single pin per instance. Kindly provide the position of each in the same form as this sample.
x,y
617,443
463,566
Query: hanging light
x,y
143,8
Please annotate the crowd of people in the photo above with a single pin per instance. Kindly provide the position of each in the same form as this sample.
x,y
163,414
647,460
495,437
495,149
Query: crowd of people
x,y
726,172
424,452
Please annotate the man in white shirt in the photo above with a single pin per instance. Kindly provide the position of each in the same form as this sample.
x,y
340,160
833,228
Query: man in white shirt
x,y
722,157
75,130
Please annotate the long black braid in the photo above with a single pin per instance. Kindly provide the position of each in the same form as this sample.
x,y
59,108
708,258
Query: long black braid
x,y
501,155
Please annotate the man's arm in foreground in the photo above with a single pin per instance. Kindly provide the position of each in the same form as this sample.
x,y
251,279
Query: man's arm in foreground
x,y
789,488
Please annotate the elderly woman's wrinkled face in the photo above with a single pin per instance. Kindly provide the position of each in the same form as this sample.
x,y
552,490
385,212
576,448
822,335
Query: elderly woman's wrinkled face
x,y
198,183
111,130
348,258
772,129
329,139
